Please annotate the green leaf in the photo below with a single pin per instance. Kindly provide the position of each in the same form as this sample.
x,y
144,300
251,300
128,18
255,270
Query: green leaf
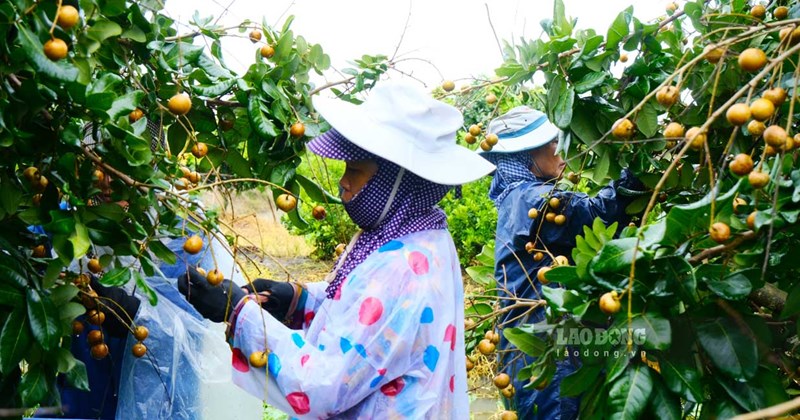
x,y
9,195
679,275
33,386
124,104
239,165
657,330
629,394
663,405
65,361
315,191
116,277
258,121
10,295
15,340
482,274
601,168
77,377
749,397
103,29
682,380
145,289
566,275
162,252
34,51
619,29
734,286
647,120
560,98
590,81
685,220
215,90
525,341
792,305
62,294
615,256
43,317
579,381
731,350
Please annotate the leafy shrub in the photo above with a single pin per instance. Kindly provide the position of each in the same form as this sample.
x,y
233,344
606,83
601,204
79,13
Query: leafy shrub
x,y
471,219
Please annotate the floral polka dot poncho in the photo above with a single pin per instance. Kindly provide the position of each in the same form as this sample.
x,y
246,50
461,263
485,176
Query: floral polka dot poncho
x,y
389,345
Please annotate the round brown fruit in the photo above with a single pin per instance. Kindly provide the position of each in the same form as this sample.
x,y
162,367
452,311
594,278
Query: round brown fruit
x,y
780,12
267,51
538,256
226,123
550,217
94,265
135,115
756,128
502,380
554,203
623,58
541,385
667,96
94,337
792,34
761,109
193,177
77,327
39,251
491,139
775,136
713,55
297,130
573,177
751,220
742,164
193,244
495,338
95,317
508,415
671,7
486,347
758,179
319,212
775,95
696,138
286,202
622,128
339,250
609,303
719,232
179,104
508,392
201,270
68,17
486,147
533,213
770,151
258,359
491,98
99,351
138,350
530,247
55,49
752,59
42,185
560,261
469,138
448,85
475,130
738,202
540,275
738,114
255,35
140,332
560,220
199,150
214,277
469,324
32,174
470,364
674,130
758,11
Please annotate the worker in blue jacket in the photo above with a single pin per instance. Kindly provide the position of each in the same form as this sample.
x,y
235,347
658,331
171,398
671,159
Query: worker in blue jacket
x,y
528,166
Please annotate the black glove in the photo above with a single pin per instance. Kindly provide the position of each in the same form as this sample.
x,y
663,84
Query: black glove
x,y
277,296
126,307
210,301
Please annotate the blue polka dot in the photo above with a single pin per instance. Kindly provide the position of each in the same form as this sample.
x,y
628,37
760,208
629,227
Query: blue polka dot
x,y
274,364
322,347
345,345
390,246
361,350
431,357
376,381
427,316
298,341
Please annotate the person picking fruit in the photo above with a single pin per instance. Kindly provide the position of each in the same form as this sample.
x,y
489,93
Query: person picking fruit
x,y
383,338
536,226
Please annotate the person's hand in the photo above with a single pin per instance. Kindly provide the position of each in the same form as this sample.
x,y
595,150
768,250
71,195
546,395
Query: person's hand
x,y
276,297
123,305
210,301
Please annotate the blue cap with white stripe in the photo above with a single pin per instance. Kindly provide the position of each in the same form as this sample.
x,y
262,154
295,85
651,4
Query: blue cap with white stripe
x,y
521,128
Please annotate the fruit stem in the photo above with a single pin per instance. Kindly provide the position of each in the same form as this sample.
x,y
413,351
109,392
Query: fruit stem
x,y
55,19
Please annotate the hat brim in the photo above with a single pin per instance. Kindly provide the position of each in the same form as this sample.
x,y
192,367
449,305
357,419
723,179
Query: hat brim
x,y
537,138
451,165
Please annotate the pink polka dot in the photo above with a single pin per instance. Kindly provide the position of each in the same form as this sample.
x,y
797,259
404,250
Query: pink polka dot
x,y
382,371
299,402
452,383
238,360
418,263
370,311
394,387
304,359
450,335
309,317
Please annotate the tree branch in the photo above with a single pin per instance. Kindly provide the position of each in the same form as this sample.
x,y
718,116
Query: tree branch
x,y
719,249
771,412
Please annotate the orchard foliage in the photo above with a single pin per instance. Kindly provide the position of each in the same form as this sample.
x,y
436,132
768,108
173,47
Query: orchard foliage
x,y
718,309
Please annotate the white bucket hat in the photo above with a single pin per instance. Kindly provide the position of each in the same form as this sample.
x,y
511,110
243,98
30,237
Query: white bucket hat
x,y
521,128
402,123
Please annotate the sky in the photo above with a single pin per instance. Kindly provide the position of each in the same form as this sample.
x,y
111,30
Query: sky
x,y
441,39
